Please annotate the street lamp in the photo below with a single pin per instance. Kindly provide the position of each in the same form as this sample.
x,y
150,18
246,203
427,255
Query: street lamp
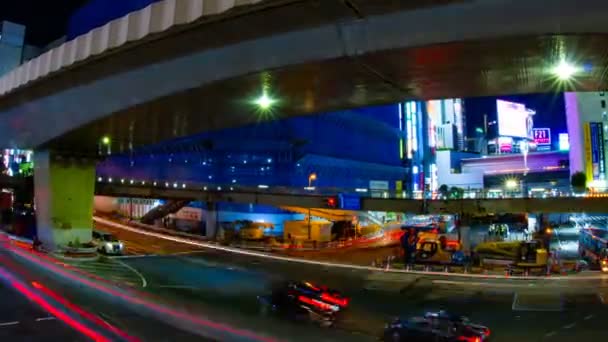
x,y
265,102
312,177
510,184
105,141
565,70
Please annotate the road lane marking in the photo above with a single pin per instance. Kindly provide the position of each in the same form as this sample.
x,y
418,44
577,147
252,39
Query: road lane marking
x,y
468,283
185,287
514,304
8,323
553,305
132,256
144,282
569,326
588,317
45,319
549,334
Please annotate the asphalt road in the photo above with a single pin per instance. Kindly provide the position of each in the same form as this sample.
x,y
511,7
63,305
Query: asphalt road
x,y
226,285
135,320
137,244
21,320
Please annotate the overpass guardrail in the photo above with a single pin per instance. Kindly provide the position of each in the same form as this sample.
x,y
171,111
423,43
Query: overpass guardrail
x,y
452,193
480,202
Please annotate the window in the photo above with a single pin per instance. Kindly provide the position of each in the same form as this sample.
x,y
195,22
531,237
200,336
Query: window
x,y
603,103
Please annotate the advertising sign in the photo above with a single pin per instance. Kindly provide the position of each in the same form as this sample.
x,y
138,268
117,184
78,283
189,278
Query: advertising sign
x,y
541,136
588,154
350,202
597,149
514,120
378,185
595,153
564,142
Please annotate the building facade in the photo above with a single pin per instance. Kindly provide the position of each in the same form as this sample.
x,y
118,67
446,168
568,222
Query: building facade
x,y
12,37
587,121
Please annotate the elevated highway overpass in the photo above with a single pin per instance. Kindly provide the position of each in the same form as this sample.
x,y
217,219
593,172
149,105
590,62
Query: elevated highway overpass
x,y
318,202
181,67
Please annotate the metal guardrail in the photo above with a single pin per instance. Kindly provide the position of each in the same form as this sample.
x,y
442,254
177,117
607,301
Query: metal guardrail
x,y
459,193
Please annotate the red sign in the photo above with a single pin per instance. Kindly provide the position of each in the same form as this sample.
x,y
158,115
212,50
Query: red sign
x,y
542,136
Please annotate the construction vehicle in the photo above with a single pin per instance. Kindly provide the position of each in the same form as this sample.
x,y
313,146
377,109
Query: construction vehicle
x,y
593,246
249,230
438,249
307,230
517,254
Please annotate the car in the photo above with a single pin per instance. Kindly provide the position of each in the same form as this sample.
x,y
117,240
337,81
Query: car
x,y
107,243
435,326
303,301
321,292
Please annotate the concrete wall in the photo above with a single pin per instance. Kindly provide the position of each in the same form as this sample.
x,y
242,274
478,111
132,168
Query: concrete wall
x,y
472,179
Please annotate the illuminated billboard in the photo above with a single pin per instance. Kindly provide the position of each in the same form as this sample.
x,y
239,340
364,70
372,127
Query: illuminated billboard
x,y
514,120
542,136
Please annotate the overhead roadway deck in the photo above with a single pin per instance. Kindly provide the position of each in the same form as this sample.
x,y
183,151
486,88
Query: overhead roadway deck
x,y
467,206
316,56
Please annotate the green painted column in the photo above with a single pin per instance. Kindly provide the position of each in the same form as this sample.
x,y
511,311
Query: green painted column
x,y
63,196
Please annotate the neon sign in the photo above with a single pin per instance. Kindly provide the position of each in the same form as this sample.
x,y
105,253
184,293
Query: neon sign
x,y
541,136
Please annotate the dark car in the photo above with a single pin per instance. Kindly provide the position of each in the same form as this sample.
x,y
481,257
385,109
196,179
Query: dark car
x,y
302,301
436,326
320,292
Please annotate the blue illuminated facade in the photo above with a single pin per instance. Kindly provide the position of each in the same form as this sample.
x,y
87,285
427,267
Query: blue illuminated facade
x,y
345,149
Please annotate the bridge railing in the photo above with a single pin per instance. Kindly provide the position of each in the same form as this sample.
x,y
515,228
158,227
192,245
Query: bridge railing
x,y
451,194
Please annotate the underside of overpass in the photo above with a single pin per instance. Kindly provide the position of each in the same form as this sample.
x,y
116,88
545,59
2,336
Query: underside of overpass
x,y
315,57
312,56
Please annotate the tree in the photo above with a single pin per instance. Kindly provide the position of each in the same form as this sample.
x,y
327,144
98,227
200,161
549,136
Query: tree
x,y
456,192
444,191
578,181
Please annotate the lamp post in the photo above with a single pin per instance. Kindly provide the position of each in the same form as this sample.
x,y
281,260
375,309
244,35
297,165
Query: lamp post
x,y
524,148
312,177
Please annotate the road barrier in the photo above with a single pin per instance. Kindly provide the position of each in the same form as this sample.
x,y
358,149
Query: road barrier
x,y
378,239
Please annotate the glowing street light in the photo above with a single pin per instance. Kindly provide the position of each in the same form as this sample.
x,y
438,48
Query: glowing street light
x,y
565,70
106,140
312,177
265,102
511,184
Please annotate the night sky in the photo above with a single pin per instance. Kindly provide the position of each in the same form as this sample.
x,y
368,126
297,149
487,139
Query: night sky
x,y
46,20
550,111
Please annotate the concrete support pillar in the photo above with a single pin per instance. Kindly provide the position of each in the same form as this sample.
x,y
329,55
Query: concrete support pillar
x,y
211,219
63,195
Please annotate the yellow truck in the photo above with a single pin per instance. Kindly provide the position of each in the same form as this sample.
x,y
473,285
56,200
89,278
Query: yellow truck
x,y
436,248
520,254
320,230
253,230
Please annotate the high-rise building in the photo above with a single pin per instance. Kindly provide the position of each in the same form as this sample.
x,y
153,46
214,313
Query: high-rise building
x,y
587,120
11,45
428,127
